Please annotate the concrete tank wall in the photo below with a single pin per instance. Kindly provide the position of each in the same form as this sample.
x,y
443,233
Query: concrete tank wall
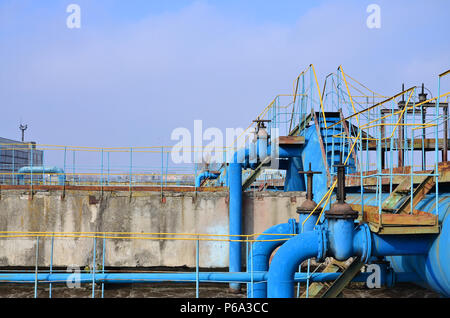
x,y
83,211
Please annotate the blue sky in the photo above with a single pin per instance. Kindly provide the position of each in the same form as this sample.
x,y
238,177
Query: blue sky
x,y
138,69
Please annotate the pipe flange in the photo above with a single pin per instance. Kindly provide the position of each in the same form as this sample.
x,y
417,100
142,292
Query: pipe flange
x,y
294,226
341,210
308,210
323,242
367,242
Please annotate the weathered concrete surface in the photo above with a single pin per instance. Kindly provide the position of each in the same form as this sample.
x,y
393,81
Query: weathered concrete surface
x,y
144,212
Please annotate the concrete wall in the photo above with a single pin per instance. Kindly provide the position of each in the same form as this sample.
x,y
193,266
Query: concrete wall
x,y
81,211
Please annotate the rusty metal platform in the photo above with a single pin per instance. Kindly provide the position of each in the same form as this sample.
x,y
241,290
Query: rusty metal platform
x,y
428,144
418,222
354,179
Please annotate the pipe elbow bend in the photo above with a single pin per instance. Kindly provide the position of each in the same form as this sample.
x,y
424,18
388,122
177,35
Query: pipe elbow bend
x,y
271,239
280,283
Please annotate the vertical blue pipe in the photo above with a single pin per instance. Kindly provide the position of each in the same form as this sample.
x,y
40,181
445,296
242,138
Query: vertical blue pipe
x,y
235,171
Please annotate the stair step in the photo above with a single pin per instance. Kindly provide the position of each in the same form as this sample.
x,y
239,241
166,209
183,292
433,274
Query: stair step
x,y
344,279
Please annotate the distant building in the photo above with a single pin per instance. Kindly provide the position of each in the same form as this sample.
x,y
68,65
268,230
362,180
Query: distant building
x,y
15,155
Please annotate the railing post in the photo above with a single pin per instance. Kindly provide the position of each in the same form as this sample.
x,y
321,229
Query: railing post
x,y
101,176
103,264
31,174
298,284
2,168
252,272
36,267
93,267
73,166
108,170
43,174
167,167
197,260
51,265
436,158
13,166
162,171
361,172
65,152
131,168
307,278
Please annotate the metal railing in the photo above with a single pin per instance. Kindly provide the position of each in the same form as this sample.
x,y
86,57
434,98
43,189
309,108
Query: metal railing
x,y
96,271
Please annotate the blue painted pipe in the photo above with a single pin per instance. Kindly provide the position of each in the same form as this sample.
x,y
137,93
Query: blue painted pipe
x,y
261,251
235,215
205,175
286,151
294,181
329,239
341,238
309,224
433,266
280,282
245,156
219,277
39,170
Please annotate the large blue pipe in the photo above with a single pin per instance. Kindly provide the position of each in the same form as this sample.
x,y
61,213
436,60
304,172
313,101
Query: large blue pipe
x,y
290,255
336,240
294,181
245,158
432,267
235,217
39,170
266,243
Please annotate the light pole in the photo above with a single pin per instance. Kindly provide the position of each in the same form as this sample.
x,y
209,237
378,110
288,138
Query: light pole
x,y
23,128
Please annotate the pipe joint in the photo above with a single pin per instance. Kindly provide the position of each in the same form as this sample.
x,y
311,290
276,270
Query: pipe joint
x,y
294,226
322,243
362,242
